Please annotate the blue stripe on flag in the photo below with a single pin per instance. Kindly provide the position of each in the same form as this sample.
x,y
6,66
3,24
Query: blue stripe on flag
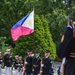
x,y
19,23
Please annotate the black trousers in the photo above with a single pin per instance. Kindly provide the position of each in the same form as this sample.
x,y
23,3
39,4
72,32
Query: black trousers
x,y
69,67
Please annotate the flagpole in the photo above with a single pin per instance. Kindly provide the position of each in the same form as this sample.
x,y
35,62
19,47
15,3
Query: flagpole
x,y
33,37
33,42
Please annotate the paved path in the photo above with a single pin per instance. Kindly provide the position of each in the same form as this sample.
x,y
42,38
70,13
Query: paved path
x,y
3,72
55,66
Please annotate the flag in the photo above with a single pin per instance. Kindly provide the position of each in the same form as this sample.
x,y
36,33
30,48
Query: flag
x,y
23,27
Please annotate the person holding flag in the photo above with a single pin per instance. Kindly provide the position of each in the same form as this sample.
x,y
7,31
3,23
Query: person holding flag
x,y
28,62
8,62
36,63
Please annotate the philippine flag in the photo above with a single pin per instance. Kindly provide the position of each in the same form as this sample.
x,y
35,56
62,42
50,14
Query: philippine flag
x,y
23,27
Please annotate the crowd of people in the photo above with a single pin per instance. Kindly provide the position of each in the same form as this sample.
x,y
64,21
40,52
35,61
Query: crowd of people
x,y
31,65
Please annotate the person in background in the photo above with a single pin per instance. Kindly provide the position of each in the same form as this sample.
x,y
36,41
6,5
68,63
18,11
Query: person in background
x,y
28,62
46,63
36,63
51,71
20,65
58,71
8,62
16,66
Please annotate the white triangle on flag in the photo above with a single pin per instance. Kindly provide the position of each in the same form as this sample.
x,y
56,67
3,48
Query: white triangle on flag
x,y
29,22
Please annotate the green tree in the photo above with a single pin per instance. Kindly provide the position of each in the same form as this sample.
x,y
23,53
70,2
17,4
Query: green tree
x,y
3,45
